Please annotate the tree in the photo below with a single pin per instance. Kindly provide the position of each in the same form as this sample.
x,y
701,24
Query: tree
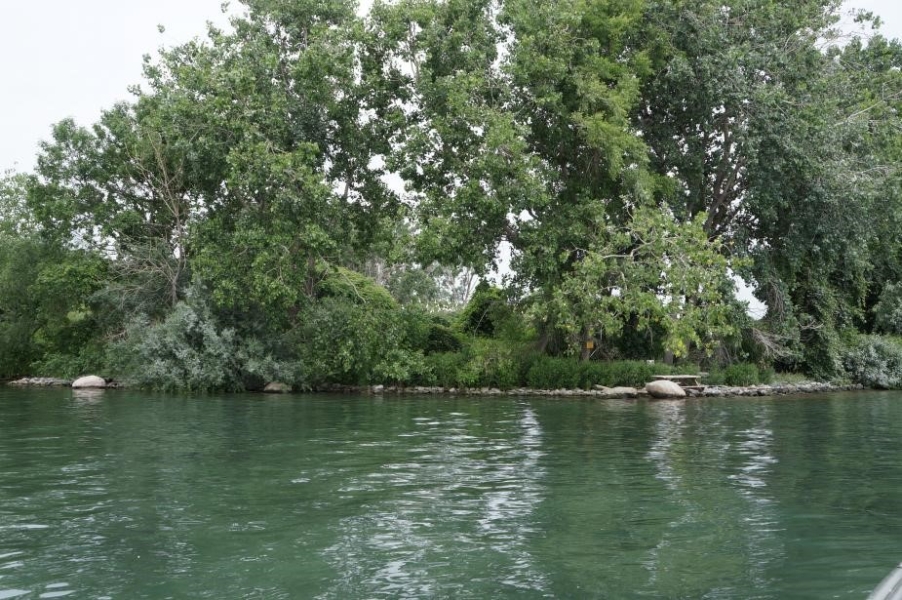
x,y
47,319
755,113
520,132
284,122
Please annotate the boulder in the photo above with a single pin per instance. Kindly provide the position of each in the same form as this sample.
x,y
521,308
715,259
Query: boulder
x,y
665,389
276,387
89,382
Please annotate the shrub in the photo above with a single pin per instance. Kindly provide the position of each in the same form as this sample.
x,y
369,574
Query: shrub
x,y
17,347
189,351
568,373
441,338
875,362
341,341
620,373
888,310
632,373
741,374
494,363
90,358
485,313
550,373
444,369
339,282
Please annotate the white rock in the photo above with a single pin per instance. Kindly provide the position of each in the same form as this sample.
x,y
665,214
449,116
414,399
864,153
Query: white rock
x,y
276,387
622,392
665,389
89,382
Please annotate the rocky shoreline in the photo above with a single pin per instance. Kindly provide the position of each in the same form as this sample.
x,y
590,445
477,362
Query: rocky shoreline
x,y
86,382
41,382
711,391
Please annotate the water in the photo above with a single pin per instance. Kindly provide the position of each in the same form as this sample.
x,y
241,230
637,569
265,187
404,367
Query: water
x,y
128,495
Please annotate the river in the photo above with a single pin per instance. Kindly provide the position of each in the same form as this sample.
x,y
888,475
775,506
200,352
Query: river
x,y
122,494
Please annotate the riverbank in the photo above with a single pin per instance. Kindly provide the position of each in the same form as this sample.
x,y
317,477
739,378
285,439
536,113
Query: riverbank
x,y
712,391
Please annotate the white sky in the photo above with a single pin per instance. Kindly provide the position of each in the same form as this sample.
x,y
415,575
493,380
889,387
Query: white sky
x,y
68,58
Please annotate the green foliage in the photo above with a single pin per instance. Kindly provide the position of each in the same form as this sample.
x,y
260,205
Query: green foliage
x,y
652,274
742,374
494,364
875,362
482,363
632,155
189,351
341,341
339,282
442,338
486,312
567,373
549,373
48,321
19,266
446,369
822,354
888,311
73,361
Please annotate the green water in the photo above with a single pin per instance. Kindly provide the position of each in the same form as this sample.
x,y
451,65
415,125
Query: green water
x,y
127,495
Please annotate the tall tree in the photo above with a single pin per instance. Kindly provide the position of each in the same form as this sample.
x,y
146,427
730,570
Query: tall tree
x,y
520,132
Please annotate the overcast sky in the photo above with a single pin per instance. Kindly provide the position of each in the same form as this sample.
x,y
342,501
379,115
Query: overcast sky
x,y
65,58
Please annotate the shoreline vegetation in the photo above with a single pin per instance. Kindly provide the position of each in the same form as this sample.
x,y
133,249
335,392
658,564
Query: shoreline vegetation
x,y
463,194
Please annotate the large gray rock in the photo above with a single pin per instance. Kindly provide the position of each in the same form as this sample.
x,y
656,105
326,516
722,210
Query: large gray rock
x,y
276,387
665,389
89,382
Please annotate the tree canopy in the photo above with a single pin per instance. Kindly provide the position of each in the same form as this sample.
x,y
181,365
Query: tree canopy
x,y
617,164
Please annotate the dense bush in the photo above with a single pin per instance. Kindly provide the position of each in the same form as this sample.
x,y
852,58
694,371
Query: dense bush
x,y
441,338
341,341
17,348
888,310
875,362
339,282
741,374
550,373
494,364
81,359
483,363
47,325
567,373
189,351
486,313
444,369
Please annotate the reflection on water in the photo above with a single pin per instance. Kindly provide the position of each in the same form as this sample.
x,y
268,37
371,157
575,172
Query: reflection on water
x,y
118,495
454,499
